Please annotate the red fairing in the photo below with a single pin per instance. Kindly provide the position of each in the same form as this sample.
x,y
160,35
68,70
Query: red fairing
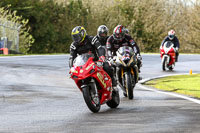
x,y
171,53
162,52
172,56
90,69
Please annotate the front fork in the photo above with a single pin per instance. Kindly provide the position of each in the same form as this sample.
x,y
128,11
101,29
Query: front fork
x,y
93,91
166,56
135,74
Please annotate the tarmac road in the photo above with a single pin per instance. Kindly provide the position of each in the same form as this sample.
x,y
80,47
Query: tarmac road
x,y
36,95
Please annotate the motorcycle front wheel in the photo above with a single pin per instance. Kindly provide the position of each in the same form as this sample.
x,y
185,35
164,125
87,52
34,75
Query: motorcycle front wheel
x,y
164,64
88,94
128,85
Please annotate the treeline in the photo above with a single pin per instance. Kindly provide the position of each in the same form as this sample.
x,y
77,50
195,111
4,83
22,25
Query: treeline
x,y
148,21
50,23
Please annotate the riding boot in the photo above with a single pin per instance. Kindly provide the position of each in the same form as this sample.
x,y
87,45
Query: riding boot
x,y
139,77
176,59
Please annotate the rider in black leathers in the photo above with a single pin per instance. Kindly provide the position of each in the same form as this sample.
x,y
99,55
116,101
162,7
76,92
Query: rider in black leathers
x,y
100,39
118,39
172,38
102,36
82,43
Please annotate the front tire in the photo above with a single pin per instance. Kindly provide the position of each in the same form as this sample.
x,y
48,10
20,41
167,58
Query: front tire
x,y
164,64
114,102
129,87
87,94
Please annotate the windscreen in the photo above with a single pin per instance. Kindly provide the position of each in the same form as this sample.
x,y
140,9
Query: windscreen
x,y
82,59
168,44
125,50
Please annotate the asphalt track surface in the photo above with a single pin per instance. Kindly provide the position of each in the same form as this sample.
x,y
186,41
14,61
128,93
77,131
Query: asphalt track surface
x,y
37,96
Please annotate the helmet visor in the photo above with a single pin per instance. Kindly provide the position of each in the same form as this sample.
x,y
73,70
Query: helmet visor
x,y
102,36
76,37
118,36
171,36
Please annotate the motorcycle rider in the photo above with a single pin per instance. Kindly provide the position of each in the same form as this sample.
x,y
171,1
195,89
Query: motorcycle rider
x,y
82,43
172,38
139,56
118,39
102,36
101,39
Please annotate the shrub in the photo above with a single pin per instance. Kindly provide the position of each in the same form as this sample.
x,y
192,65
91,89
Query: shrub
x,y
26,39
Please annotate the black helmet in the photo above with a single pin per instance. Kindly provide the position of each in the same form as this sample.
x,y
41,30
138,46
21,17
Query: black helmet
x,y
102,32
119,32
78,34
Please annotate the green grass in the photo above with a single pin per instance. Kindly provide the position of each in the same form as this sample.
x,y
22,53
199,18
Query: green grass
x,y
11,55
183,84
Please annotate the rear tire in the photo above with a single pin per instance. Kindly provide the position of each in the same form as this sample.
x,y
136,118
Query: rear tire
x,y
114,102
170,68
89,100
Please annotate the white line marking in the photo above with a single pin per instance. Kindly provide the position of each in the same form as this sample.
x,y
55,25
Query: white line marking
x,y
157,77
167,93
171,94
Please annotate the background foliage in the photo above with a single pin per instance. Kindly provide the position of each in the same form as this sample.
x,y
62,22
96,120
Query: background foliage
x,y
148,21
10,19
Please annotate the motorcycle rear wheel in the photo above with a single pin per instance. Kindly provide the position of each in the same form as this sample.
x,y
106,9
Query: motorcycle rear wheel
x,y
172,67
87,94
114,102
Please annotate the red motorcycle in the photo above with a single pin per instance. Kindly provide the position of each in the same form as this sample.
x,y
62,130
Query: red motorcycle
x,y
167,52
94,83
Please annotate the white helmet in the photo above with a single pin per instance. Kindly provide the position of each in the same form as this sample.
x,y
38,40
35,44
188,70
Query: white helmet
x,y
171,34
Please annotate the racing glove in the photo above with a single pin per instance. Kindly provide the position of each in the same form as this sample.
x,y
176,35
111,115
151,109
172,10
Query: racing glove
x,y
139,57
102,58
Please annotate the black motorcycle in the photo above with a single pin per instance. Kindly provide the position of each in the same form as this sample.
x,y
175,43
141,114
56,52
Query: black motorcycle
x,y
127,70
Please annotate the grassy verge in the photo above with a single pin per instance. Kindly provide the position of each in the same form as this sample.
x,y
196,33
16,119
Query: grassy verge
x,y
11,55
184,84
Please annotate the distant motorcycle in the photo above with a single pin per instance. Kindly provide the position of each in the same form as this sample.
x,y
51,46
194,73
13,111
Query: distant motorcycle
x,y
126,63
94,83
167,52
